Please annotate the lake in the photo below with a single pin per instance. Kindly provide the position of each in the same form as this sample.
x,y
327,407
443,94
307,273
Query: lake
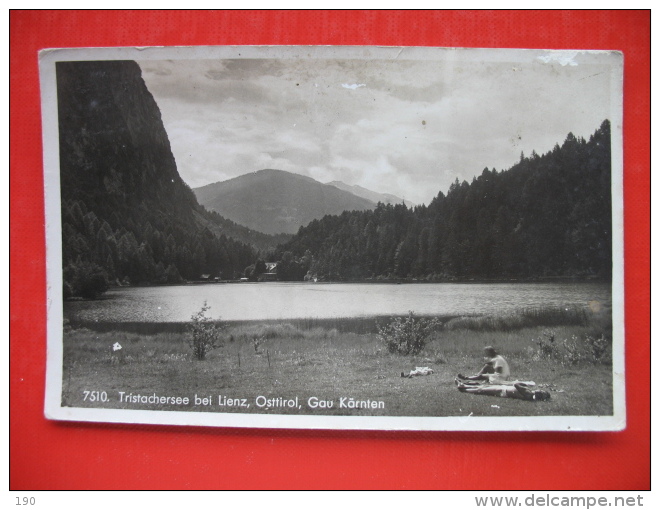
x,y
279,300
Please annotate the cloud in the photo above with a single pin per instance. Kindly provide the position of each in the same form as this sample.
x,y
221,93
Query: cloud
x,y
406,127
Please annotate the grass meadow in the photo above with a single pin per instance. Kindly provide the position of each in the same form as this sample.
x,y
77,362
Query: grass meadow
x,y
565,351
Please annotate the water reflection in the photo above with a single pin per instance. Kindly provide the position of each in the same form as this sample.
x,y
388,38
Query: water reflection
x,y
274,300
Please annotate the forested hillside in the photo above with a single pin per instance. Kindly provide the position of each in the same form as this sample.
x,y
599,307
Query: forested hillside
x,y
547,216
127,215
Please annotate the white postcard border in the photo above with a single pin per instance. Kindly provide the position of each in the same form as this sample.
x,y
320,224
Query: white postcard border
x,y
54,373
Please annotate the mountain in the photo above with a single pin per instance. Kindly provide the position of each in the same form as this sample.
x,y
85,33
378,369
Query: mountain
x,y
274,201
126,213
374,196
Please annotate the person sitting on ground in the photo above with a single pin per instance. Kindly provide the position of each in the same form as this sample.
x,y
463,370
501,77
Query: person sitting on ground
x,y
495,371
493,380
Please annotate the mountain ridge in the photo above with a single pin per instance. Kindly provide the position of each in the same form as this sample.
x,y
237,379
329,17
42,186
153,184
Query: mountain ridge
x,y
374,196
276,201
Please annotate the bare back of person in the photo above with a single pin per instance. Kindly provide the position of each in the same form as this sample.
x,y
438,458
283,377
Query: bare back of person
x,y
495,371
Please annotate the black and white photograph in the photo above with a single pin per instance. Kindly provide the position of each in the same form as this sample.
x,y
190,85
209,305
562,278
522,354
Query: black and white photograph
x,y
328,237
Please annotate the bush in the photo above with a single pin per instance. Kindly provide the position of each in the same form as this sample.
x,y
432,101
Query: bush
x,y
407,335
204,333
595,350
592,349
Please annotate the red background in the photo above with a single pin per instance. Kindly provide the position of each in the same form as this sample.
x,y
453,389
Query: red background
x,y
50,455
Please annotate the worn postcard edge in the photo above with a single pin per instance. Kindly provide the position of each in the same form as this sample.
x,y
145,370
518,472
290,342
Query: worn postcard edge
x,y
54,370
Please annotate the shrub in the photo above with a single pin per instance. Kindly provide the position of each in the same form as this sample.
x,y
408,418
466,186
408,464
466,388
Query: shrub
x,y
601,348
593,350
548,349
407,335
204,333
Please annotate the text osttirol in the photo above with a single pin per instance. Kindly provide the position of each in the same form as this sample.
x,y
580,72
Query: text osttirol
x,y
269,402
154,398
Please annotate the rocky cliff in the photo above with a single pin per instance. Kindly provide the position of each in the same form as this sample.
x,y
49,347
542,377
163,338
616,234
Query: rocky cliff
x,y
125,209
114,151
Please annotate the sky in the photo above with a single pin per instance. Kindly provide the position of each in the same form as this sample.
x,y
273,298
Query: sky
x,y
409,127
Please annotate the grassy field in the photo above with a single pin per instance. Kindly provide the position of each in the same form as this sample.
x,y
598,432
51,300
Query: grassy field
x,y
342,360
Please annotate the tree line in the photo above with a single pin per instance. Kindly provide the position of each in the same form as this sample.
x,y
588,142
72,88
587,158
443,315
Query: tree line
x,y
547,216
97,254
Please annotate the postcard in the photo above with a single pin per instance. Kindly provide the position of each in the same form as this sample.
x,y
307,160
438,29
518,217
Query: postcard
x,y
327,237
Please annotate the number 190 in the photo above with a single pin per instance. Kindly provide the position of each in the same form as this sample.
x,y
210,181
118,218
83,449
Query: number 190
x,y
25,501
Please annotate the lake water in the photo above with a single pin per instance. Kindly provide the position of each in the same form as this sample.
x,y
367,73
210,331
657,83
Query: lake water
x,y
274,300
